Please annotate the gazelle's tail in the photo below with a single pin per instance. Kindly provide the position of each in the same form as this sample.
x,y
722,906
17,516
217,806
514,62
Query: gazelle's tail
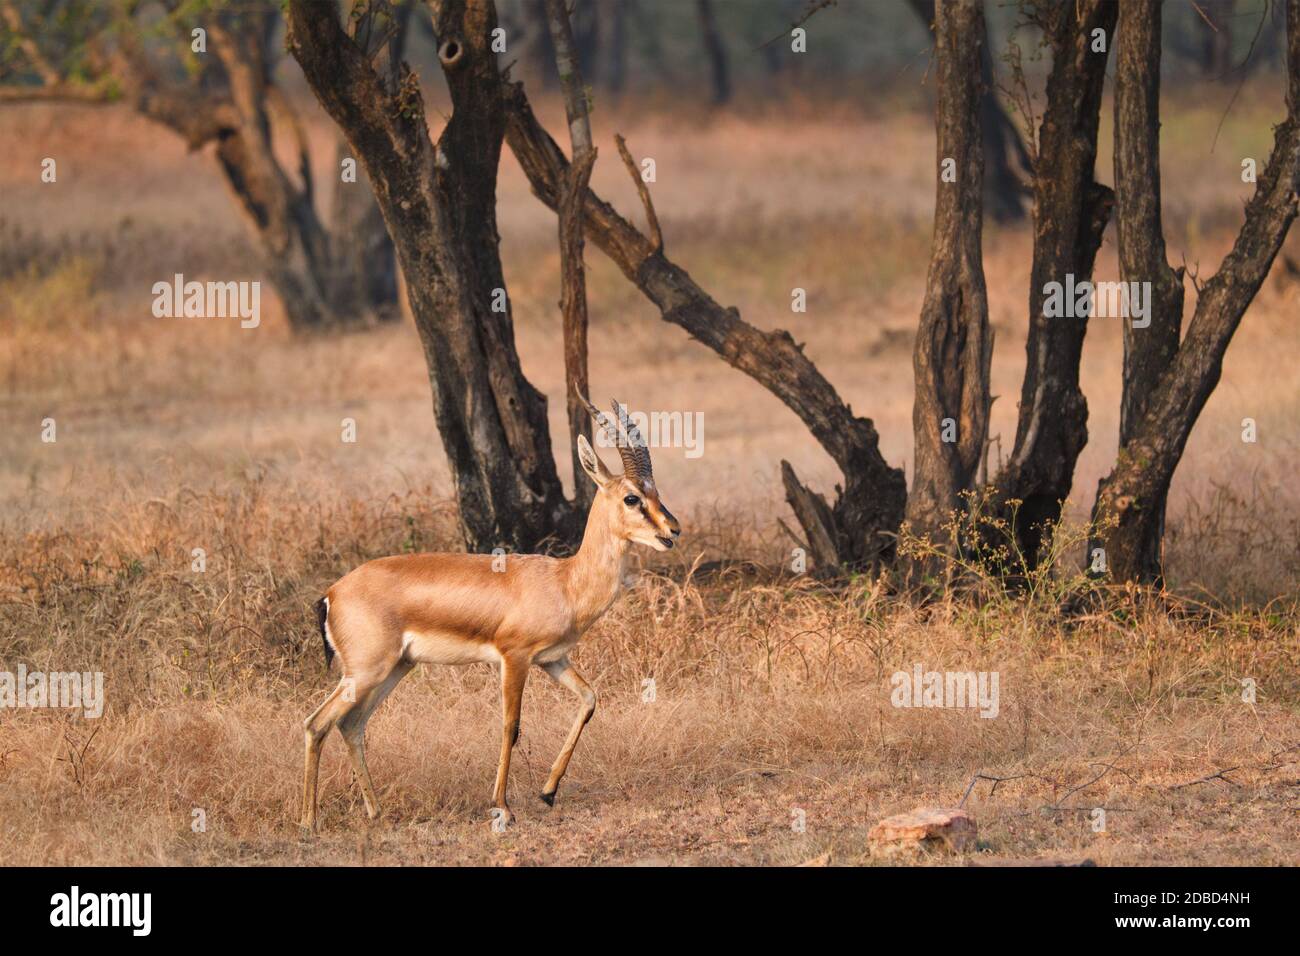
x,y
322,615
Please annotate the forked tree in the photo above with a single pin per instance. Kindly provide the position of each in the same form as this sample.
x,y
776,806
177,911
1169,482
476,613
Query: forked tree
x,y
1167,382
1071,210
439,202
206,73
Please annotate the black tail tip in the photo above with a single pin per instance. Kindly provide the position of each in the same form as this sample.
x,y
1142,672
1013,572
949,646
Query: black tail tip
x,y
322,612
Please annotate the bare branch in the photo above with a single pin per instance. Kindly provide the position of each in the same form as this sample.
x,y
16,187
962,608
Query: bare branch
x,y
814,7
643,190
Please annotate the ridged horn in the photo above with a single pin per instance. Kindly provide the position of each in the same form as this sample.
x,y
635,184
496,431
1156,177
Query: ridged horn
x,y
633,450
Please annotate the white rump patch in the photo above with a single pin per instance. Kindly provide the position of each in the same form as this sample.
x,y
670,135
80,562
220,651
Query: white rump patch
x,y
329,638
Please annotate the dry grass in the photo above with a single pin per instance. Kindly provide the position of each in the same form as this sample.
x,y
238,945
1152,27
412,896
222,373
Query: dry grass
x,y
772,694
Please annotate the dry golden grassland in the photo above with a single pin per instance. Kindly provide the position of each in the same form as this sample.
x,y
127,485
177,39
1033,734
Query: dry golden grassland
x,y
772,693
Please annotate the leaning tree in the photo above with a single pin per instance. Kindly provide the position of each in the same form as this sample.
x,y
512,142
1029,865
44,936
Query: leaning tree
x,y
205,71
438,199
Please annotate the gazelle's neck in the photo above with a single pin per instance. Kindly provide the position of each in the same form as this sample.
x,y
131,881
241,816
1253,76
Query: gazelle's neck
x,y
595,573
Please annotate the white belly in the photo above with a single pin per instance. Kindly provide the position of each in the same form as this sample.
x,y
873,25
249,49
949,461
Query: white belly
x,y
442,649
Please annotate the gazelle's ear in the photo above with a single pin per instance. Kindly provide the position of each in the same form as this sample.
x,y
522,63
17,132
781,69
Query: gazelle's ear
x,y
592,464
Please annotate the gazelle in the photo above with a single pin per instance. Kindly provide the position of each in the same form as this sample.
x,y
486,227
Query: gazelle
x,y
393,613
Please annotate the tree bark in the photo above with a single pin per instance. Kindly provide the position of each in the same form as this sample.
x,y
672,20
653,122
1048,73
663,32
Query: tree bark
x,y
1149,350
1129,498
1070,214
954,345
573,283
1004,190
869,509
295,243
439,202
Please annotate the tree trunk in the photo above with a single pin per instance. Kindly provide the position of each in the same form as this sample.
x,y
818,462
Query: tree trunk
x,y
1004,190
229,101
1149,349
869,509
954,345
573,283
439,202
716,52
1129,499
1070,214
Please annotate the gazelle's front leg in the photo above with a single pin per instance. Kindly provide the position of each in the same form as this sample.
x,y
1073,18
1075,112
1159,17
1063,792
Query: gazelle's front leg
x,y
563,673
514,672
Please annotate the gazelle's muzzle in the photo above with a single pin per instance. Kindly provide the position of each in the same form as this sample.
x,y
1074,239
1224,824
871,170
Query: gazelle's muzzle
x,y
669,524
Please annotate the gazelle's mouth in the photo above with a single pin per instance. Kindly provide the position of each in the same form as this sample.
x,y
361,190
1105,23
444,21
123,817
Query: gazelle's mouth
x,y
666,542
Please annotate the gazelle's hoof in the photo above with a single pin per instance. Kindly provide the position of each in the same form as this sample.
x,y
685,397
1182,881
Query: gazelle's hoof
x,y
501,818
548,799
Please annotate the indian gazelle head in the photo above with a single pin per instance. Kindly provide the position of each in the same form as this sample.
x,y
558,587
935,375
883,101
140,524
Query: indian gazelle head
x,y
518,612
643,518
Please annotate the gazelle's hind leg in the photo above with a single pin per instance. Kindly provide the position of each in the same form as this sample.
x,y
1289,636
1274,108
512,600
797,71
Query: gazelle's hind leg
x,y
315,727
352,727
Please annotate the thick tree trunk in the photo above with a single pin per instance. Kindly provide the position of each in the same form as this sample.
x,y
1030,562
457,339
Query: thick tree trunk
x,y
1070,214
715,50
1129,499
954,345
439,202
1150,348
869,509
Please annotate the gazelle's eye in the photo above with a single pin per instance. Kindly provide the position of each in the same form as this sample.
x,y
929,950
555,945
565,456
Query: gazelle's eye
x,y
631,501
